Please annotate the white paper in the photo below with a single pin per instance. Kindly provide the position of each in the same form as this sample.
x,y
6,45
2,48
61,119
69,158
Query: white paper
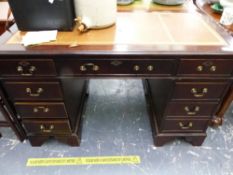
x,y
227,16
51,1
32,38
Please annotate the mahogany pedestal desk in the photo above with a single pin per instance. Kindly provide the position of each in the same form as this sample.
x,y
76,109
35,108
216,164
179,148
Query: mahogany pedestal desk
x,y
184,59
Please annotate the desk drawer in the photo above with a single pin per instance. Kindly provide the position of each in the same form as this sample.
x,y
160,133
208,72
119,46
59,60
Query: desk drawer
x,y
190,109
85,67
205,67
184,126
27,67
199,90
41,110
49,127
21,91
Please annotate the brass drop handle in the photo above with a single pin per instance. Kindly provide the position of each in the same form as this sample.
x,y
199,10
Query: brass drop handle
x,y
29,71
184,127
46,130
136,67
197,94
42,108
189,111
150,68
92,66
36,94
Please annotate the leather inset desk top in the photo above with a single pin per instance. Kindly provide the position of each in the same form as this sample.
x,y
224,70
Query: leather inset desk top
x,y
147,28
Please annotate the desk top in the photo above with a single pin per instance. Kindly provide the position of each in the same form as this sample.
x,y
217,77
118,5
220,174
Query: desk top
x,y
167,31
143,28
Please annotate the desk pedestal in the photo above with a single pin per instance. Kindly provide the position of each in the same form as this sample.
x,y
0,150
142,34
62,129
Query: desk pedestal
x,y
174,115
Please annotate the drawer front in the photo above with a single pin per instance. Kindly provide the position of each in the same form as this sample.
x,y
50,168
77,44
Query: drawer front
x,y
21,91
190,109
41,110
27,67
85,67
184,126
199,90
205,67
47,127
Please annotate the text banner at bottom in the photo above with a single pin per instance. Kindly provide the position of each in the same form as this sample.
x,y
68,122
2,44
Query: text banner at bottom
x,y
107,160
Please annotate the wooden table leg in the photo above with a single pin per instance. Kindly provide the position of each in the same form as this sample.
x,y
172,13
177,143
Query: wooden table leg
x,y
218,120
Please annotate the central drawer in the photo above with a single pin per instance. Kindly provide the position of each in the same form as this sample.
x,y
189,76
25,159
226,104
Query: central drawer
x,y
128,67
49,127
31,91
41,110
